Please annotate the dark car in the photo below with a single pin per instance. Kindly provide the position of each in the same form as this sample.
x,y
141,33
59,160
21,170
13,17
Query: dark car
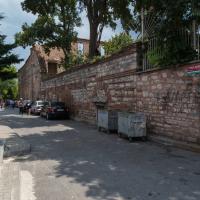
x,y
54,110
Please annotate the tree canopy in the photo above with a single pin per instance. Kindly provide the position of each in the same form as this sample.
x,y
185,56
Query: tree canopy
x,y
102,13
56,19
9,88
7,58
171,26
54,26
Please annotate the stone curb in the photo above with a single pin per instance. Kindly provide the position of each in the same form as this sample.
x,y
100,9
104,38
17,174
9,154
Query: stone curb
x,y
1,150
12,144
173,143
16,146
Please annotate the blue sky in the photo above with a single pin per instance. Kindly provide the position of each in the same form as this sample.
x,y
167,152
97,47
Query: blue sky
x,y
15,17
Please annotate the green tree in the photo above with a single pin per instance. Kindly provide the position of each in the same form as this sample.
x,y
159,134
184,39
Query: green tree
x,y
172,28
102,13
9,89
54,26
117,42
8,72
7,58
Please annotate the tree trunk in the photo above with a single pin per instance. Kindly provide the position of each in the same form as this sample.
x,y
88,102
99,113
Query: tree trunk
x,y
93,40
66,58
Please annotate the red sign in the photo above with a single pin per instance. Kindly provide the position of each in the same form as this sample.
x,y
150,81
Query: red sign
x,y
194,68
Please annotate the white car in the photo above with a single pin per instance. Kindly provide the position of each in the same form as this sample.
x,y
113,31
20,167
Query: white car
x,y
36,107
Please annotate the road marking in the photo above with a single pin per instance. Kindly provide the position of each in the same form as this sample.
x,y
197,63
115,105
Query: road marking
x,y
27,186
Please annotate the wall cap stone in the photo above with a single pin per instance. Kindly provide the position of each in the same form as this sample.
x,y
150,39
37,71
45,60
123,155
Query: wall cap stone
x,y
123,52
169,67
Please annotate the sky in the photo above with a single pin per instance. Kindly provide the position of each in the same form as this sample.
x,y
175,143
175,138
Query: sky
x,y
15,17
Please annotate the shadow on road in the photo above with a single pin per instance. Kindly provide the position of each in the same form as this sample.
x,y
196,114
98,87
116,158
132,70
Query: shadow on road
x,y
110,168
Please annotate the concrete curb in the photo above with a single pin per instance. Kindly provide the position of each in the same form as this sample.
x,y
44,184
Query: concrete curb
x,y
16,146
1,150
173,143
12,144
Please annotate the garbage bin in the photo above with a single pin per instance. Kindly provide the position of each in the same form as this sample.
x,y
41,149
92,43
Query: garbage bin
x,y
132,125
107,120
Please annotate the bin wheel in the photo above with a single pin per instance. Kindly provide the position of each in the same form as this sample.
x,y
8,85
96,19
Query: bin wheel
x,y
144,138
99,129
130,139
119,134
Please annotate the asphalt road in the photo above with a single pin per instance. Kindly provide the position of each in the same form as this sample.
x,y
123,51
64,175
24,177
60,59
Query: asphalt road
x,y
73,161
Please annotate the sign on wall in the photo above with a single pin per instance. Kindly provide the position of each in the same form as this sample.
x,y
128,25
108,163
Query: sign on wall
x,y
193,70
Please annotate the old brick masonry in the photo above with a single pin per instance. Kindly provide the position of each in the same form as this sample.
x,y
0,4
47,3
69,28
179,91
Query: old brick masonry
x,y
169,98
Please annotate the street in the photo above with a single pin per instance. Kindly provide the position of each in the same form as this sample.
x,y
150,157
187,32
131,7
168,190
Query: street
x,y
72,161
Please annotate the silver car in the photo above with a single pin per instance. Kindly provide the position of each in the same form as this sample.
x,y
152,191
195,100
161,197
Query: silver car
x,y
36,107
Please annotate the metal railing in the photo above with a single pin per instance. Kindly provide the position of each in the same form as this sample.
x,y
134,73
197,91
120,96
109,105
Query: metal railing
x,y
191,37
151,46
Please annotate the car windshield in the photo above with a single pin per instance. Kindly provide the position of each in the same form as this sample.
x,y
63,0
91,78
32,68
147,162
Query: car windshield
x,y
61,104
40,103
45,103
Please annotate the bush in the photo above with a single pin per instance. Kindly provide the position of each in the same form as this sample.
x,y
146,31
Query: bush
x,y
117,43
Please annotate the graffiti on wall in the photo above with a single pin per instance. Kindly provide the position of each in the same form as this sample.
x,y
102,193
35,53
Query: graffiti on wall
x,y
179,101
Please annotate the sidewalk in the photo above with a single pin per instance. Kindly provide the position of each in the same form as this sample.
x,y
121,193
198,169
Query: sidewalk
x,y
11,144
10,181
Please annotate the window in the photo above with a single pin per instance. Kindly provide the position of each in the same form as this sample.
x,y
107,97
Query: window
x,y
52,68
80,48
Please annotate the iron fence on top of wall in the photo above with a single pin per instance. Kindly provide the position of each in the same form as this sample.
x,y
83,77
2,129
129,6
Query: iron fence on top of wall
x,y
190,37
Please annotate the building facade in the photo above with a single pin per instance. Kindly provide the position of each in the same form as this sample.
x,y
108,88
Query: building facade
x,y
41,65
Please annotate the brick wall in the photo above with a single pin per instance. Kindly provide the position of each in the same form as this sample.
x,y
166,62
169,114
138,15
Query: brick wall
x,y
170,99
30,78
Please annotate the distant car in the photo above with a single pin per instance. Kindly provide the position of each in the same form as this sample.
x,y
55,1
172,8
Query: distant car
x,y
36,107
54,110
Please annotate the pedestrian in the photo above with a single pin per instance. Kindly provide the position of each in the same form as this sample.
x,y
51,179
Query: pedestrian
x,y
13,104
29,108
1,104
21,106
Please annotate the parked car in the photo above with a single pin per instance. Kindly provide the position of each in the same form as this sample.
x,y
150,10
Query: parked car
x,y
54,110
36,107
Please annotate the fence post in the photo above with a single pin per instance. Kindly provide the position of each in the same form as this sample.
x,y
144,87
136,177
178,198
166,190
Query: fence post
x,y
142,23
194,34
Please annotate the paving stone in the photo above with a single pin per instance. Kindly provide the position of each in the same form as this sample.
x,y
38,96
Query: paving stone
x,y
1,150
10,181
